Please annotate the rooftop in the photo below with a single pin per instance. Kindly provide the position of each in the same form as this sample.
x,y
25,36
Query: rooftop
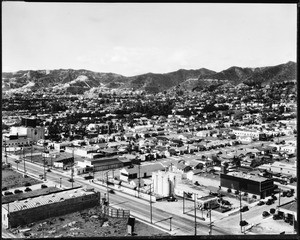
x,y
45,199
291,206
247,176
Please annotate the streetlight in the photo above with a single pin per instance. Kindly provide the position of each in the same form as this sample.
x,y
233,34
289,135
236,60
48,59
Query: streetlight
x,y
170,223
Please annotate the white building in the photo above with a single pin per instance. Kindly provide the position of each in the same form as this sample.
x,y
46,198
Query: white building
x,y
247,133
34,133
165,182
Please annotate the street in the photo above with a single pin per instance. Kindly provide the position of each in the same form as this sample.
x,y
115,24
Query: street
x,y
139,208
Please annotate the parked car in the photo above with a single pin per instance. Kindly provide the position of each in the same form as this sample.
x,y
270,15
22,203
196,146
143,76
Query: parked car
x,y
18,191
8,193
289,194
243,223
277,217
27,184
272,210
28,189
111,191
284,193
172,199
260,203
44,186
269,202
265,214
244,209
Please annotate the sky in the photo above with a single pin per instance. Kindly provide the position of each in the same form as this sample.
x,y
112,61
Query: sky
x,y
137,38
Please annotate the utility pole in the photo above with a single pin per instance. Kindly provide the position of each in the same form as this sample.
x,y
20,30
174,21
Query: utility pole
x,y
210,225
24,159
31,152
5,152
44,161
195,214
139,166
170,223
72,167
151,203
279,197
107,188
241,211
183,202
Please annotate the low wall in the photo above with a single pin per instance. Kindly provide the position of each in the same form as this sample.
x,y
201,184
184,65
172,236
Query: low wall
x,y
135,193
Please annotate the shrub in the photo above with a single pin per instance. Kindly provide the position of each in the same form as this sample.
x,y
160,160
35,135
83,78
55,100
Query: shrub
x,y
245,194
229,190
236,192
27,184
254,196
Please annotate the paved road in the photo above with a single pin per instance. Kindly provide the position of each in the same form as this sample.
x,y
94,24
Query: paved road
x,y
139,208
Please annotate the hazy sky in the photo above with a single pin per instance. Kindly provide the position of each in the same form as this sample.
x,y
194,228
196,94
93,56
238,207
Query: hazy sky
x,y
136,38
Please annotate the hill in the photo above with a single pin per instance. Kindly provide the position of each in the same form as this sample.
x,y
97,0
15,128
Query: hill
x,y
79,81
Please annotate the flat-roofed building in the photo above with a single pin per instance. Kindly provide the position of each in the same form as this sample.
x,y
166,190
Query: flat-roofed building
x,y
249,183
22,212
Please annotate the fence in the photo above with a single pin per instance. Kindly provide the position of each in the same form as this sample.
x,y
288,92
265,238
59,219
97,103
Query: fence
x,y
115,213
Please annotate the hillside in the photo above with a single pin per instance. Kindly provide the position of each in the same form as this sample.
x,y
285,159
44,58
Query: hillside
x,y
79,81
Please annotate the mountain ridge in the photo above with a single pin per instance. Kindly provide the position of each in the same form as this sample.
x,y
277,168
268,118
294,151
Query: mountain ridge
x,y
70,80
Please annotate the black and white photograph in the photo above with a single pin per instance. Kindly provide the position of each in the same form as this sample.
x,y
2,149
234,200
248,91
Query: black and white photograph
x,y
152,120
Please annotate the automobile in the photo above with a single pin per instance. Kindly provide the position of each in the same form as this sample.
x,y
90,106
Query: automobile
x,y
260,203
284,193
26,234
48,170
172,199
289,194
244,209
269,202
243,223
111,191
274,197
288,220
28,189
44,186
265,214
27,184
18,191
71,180
277,217
4,188
8,193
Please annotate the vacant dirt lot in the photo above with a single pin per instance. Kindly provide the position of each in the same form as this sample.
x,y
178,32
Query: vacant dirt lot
x,y
86,223
12,179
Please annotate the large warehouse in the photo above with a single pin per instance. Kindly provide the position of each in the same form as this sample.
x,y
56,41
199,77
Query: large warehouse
x,y
249,183
20,213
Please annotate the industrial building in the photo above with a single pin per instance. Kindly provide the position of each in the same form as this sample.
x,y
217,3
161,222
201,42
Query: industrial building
x,y
20,213
260,186
165,182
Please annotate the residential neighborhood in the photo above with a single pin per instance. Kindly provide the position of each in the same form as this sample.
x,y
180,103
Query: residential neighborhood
x,y
208,149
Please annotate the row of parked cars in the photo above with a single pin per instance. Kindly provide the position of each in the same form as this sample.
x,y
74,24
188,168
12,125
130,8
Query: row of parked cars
x,y
17,191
